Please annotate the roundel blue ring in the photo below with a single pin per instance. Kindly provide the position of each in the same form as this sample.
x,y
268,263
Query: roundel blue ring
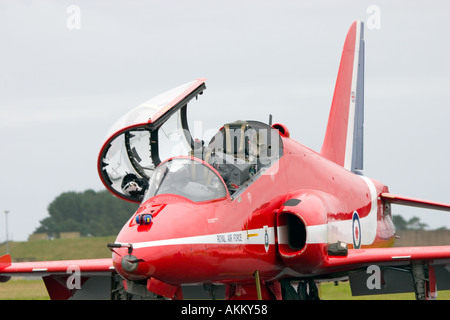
x,y
355,219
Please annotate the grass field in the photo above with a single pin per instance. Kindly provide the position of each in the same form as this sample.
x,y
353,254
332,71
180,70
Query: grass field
x,y
89,248
23,289
329,291
59,249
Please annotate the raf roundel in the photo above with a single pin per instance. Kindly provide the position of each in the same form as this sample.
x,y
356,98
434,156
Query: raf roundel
x,y
356,226
266,238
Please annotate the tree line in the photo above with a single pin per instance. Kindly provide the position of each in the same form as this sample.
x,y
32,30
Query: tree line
x,y
412,224
91,213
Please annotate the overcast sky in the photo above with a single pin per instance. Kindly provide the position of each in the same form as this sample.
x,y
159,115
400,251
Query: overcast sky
x,y
69,69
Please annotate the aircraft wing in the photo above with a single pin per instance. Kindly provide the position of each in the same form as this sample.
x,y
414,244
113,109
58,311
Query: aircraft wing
x,y
67,279
391,256
396,270
412,202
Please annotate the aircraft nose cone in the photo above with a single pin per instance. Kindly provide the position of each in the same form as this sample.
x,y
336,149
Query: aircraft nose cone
x,y
129,263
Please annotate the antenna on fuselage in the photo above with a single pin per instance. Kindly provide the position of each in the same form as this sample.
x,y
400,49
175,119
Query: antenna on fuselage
x,y
270,119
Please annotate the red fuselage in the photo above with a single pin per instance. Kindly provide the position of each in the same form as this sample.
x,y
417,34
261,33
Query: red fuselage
x,y
281,224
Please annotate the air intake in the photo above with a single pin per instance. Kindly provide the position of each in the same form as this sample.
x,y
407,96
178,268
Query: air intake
x,y
291,234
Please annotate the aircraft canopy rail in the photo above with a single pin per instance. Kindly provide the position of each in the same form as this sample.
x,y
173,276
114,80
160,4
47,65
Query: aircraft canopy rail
x,y
136,143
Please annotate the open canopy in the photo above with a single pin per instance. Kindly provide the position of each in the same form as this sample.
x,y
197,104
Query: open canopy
x,y
143,137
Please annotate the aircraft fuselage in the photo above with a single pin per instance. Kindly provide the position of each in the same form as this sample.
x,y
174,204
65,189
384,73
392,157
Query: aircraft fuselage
x,y
280,224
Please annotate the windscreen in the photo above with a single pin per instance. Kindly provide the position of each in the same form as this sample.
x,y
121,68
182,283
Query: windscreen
x,y
186,177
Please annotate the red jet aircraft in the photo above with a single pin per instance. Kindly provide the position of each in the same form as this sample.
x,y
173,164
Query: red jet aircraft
x,y
251,214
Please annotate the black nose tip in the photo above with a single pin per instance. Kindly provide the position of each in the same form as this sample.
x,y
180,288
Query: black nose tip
x,y
130,263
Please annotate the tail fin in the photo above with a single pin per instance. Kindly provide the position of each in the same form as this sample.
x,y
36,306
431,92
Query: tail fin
x,y
343,143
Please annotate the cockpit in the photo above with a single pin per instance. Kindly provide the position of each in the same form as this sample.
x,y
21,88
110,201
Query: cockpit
x,y
130,161
241,150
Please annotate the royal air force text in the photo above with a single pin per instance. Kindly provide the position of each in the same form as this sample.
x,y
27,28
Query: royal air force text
x,y
229,238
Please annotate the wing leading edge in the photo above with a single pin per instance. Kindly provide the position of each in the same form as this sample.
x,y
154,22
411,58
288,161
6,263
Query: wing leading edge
x,y
86,265
67,279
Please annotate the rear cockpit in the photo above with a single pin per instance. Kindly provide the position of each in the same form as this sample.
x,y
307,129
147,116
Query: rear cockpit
x,y
241,150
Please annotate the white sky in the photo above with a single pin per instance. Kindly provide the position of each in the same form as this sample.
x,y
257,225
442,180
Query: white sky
x,y
61,89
